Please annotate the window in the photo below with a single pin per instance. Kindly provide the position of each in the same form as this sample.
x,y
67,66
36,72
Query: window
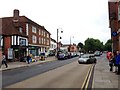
x,y
119,12
44,34
49,43
39,31
44,41
20,29
47,35
34,39
1,40
22,42
33,29
39,40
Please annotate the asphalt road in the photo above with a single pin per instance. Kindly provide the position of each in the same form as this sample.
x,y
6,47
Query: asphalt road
x,y
71,75
16,75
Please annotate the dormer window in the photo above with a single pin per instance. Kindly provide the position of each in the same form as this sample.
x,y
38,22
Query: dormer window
x,y
20,29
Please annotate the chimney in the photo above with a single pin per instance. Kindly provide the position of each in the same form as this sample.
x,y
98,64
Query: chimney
x,y
16,17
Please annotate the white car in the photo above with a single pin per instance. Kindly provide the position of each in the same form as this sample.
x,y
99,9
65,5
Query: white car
x,y
87,59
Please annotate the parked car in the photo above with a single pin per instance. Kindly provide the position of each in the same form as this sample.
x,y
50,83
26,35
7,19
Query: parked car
x,y
62,55
87,59
52,54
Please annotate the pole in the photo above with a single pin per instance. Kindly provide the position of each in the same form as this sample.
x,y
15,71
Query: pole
x,y
70,40
57,40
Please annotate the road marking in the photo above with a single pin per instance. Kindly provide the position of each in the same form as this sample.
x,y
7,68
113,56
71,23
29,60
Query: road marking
x,y
89,77
85,83
85,79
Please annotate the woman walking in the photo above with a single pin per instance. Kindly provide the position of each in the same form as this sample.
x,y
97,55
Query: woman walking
x,y
4,60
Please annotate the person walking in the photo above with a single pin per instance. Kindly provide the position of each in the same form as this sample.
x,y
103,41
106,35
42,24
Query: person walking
x,y
28,59
4,60
114,61
118,62
111,61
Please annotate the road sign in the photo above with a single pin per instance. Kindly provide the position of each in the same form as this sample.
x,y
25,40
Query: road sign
x,y
114,33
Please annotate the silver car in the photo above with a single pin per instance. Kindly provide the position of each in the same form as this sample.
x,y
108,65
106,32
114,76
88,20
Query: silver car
x,y
87,59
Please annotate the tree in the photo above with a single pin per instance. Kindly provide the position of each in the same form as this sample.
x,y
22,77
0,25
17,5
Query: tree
x,y
80,46
91,45
108,45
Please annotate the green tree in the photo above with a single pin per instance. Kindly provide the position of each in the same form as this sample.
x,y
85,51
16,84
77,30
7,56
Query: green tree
x,y
108,45
80,46
92,45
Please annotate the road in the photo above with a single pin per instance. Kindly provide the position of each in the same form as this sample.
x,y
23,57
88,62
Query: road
x,y
71,75
55,74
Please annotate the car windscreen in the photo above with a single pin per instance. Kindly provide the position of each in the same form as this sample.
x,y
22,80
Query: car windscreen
x,y
84,56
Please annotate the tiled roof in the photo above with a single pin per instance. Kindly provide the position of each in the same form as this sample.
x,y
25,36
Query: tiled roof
x,y
8,27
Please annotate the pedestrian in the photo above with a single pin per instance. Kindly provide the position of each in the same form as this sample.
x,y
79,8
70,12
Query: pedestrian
x,y
118,62
4,60
114,61
111,62
108,55
28,59
110,59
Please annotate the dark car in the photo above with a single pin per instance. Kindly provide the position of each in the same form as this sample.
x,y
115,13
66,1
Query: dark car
x,y
63,55
87,59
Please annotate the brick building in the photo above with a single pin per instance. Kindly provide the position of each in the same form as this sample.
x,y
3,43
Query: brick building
x,y
21,36
114,24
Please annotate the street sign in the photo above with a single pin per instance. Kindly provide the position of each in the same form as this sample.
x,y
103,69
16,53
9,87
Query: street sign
x,y
114,33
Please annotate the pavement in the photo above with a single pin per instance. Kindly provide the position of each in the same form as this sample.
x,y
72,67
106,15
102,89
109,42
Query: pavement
x,y
17,64
102,77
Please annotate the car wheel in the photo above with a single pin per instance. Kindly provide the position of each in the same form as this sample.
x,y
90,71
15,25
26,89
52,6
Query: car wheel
x,y
88,62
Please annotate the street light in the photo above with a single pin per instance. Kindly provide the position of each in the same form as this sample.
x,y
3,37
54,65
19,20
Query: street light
x,y
70,43
58,37
71,40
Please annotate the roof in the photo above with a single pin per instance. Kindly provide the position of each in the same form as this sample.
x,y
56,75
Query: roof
x,y
9,28
53,40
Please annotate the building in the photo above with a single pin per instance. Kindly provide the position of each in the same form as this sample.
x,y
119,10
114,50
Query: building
x,y
70,47
53,44
119,24
114,24
21,36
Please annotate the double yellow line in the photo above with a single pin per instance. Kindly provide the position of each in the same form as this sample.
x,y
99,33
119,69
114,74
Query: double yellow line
x,y
87,79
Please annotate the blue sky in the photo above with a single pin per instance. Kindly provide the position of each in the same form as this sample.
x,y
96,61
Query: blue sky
x,y
79,19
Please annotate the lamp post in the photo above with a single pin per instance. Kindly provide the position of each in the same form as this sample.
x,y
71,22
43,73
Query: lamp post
x,y
58,38
70,42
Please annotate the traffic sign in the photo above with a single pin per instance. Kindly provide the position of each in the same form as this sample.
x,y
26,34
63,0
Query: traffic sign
x,y
114,33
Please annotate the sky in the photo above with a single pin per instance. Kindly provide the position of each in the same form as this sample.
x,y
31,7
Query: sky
x,y
78,19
